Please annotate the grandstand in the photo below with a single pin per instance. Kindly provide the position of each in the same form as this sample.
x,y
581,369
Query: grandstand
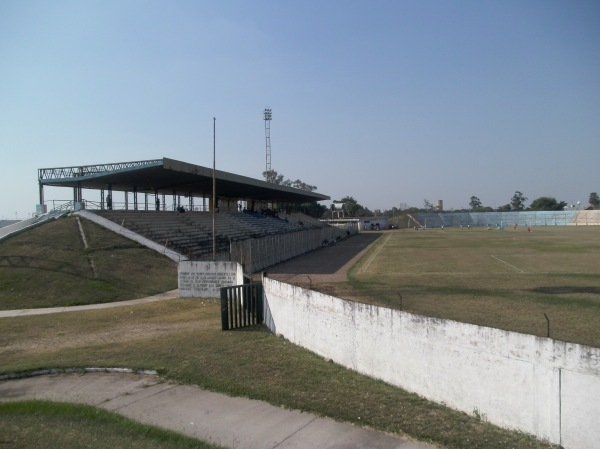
x,y
586,218
503,219
255,223
190,234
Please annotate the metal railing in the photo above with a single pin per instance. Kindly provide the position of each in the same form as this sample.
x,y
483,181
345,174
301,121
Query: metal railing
x,y
87,170
241,306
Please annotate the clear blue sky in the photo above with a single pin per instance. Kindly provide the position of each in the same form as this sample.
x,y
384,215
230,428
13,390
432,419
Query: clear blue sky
x,y
391,102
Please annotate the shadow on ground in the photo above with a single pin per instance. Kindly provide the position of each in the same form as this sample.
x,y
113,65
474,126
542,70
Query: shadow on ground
x,y
326,260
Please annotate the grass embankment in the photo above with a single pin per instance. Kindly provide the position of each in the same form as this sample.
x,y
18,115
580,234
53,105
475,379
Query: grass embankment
x,y
503,279
41,425
49,267
183,341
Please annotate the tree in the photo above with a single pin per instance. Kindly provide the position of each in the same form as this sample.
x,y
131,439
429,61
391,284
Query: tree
x,y
427,205
351,205
594,200
297,184
547,203
272,176
517,202
313,209
505,208
353,208
475,203
275,178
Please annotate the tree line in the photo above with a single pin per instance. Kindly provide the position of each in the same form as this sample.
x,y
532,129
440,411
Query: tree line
x,y
352,208
543,203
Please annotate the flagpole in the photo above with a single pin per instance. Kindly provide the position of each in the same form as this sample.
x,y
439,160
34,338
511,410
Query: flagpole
x,y
214,195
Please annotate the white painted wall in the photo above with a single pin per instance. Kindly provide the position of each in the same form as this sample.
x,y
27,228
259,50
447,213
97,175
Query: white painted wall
x,y
544,387
201,279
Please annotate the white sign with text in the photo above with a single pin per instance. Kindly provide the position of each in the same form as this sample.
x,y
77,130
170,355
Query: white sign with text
x,y
199,279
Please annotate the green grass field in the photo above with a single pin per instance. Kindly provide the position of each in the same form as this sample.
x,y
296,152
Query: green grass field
x,y
50,425
504,279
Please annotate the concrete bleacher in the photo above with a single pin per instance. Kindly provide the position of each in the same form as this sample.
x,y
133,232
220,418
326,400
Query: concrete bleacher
x,y
4,223
271,224
190,233
586,218
170,229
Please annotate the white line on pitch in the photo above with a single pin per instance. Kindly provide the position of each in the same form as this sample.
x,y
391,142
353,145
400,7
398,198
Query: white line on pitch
x,y
366,267
512,266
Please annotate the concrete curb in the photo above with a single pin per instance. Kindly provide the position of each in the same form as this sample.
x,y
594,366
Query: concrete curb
x,y
58,371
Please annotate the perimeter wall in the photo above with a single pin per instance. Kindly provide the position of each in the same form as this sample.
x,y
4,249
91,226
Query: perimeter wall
x,y
509,219
547,388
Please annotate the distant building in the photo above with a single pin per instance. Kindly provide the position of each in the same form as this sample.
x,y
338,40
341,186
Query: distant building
x,y
361,224
372,224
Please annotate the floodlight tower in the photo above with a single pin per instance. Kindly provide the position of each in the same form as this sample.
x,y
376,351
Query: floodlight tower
x,y
268,116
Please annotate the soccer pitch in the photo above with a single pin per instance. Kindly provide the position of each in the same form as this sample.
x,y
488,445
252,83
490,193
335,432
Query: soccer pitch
x,y
509,279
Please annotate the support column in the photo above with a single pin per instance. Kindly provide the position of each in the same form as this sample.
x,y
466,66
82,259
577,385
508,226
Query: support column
x,y
41,207
41,193
109,198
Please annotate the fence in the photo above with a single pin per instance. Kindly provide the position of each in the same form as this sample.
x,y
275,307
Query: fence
x,y
526,218
241,306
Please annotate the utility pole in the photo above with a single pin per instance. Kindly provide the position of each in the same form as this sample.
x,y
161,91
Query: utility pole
x,y
214,195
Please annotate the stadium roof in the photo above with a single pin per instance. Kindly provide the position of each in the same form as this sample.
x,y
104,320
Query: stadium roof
x,y
168,176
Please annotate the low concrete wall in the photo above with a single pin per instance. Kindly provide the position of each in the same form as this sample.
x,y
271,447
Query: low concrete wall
x,y
199,279
544,387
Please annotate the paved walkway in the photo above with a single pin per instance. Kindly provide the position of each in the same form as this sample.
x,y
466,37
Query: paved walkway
x,y
228,421
327,264
24,312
